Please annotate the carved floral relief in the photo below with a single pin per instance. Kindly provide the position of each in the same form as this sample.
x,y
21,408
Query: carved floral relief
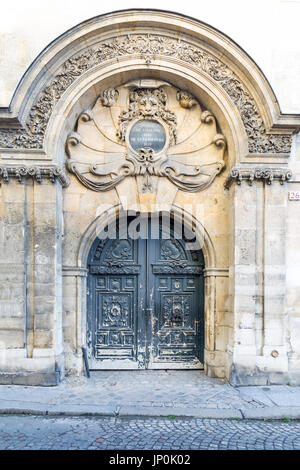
x,y
148,47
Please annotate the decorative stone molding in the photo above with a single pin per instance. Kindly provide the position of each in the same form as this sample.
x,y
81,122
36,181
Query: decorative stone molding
x,y
147,142
38,173
268,175
147,47
216,272
73,271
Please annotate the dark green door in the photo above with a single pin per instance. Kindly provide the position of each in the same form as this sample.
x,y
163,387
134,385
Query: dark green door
x,y
145,304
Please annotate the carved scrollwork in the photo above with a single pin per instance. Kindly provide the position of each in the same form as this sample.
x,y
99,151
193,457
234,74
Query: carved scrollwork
x,y
190,156
267,175
186,100
99,249
186,181
73,139
115,268
4,174
121,249
176,267
86,116
219,141
37,172
171,249
207,117
115,313
108,97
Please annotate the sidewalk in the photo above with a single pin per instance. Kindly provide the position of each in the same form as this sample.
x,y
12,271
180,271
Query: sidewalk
x,y
152,393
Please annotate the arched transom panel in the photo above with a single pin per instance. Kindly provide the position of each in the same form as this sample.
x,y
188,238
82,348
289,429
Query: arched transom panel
x,y
150,130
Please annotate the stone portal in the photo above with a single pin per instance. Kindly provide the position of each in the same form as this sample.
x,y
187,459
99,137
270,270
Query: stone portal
x,y
145,302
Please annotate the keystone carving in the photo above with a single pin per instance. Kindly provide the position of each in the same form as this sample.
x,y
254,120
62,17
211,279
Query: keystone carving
x,y
146,104
101,154
268,175
147,47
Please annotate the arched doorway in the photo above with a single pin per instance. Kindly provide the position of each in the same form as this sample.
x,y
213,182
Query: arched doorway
x,y
145,298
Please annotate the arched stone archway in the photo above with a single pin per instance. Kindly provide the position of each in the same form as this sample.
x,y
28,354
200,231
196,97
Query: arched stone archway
x,y
212,274
46,126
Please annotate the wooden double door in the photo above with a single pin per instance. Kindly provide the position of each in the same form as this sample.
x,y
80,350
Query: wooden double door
x,y
145,304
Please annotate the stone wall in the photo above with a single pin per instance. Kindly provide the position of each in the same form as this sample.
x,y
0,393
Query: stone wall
x,y
30,311
292,248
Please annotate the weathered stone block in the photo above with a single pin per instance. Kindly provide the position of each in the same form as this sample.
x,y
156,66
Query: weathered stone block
x,y
43,338
245,247
12,338
30,378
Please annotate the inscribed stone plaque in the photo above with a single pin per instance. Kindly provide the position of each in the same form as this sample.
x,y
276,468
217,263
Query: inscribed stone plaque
x,y
147,134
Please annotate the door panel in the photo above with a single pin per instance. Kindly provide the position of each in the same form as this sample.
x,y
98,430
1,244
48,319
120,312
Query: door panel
x,y
145,305
174,278
116,324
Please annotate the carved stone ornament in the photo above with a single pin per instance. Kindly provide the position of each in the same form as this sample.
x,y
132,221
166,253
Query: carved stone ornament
x,y
268,175
147,47
147,104
185,99
37,172
154,137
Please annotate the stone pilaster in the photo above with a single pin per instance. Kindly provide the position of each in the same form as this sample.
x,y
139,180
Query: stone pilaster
x,y
257,273
243,279
74,299
31,253
274,352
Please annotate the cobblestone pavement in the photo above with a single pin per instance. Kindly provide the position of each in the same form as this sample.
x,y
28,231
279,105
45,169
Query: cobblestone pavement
x,y
37,432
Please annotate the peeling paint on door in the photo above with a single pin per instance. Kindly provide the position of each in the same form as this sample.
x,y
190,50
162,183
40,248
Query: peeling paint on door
x,y
145,308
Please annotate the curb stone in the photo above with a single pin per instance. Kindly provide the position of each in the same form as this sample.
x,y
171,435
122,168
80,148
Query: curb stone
x,y
278,412
180,412
147,411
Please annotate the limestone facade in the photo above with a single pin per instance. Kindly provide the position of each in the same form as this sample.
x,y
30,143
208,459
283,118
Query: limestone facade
x,y
227,164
